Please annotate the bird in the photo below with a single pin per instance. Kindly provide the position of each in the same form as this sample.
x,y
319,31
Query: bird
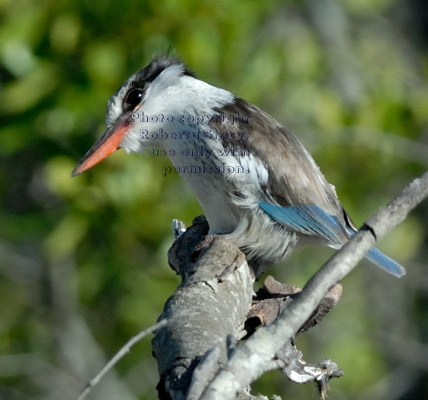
x,y
255,181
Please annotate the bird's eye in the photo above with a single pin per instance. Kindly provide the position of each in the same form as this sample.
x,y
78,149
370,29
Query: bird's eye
x,y
132,99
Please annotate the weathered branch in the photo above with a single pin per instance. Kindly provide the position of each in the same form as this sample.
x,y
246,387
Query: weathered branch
x,y
197,354
214,307
251,357
212,300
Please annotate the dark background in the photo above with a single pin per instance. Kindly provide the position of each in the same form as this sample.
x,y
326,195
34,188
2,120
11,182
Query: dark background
x,y
83,262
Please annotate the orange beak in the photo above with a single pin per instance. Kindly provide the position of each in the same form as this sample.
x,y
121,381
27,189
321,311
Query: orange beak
x,y
107,144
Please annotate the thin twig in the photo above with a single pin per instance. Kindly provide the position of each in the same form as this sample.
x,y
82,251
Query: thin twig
x,y
124,350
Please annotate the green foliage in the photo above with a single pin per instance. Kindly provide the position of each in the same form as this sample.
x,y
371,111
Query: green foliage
x,y
88,254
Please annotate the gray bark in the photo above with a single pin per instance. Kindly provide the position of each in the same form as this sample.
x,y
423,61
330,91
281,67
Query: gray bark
x,y
201,353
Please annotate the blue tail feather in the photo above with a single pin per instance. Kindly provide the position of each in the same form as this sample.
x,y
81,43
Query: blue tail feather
x,y
376,257
387,264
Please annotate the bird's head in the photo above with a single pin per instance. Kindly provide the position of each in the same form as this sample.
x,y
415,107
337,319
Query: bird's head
x,y
152,90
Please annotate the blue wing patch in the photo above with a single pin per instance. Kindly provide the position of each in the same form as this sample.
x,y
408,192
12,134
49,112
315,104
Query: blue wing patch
x,y
312,220
306,219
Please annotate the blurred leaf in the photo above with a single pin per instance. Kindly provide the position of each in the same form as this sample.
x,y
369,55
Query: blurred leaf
x,y
20,96
63,240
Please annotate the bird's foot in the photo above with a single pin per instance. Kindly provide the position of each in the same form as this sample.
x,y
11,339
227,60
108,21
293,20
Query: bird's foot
x,y
205,242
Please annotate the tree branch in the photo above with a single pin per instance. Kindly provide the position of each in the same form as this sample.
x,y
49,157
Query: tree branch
x,y
251,357
213,301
